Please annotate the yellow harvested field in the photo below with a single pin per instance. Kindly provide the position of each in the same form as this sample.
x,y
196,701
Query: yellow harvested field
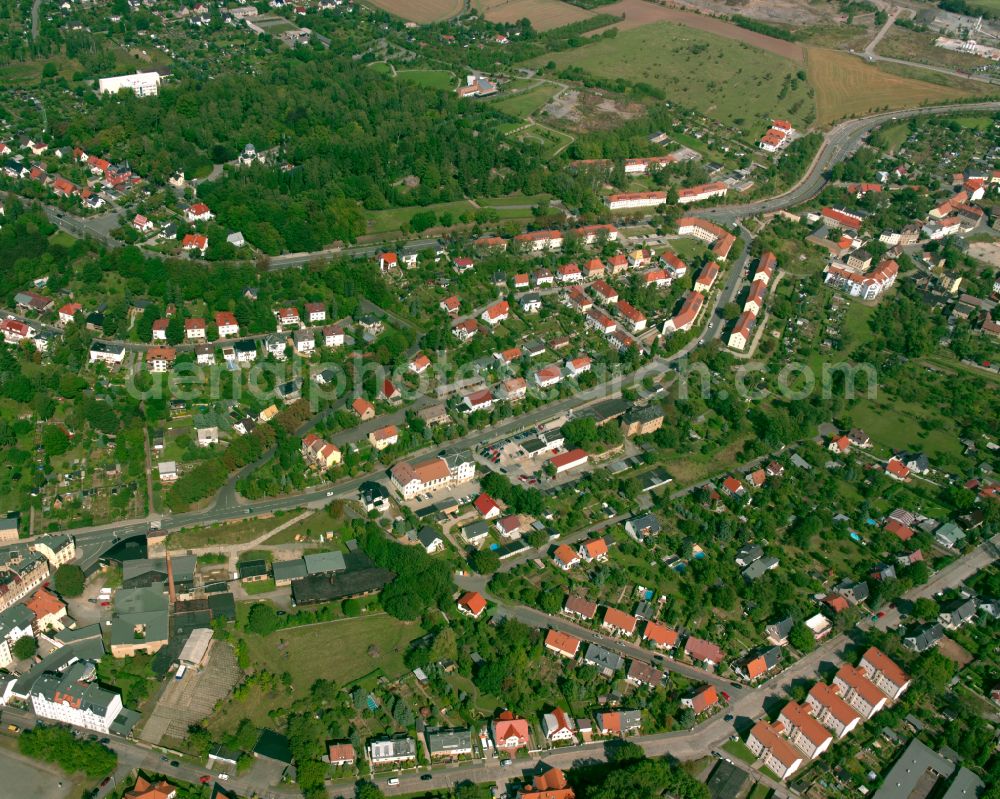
x,y
421,11
544,14
846,86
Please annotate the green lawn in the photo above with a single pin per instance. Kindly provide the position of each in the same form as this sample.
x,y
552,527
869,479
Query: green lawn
x,y
392,219
262,587
760,792
895,424
739,750
429,78
380,67
344,650
552,141
513,199
855,326
723,78
525,103
336,650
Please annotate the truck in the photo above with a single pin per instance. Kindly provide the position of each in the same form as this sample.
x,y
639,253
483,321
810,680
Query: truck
x,y
181,670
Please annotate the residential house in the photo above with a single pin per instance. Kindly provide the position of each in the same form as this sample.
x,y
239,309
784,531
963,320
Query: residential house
x,y
659,635
703,699
619,722
580,607
642,527
363,408
472,603
703,651
565,557
923,637
558,727
884,673
510,733
550,784
430,540
642,673
957,613
618,622
384,437
594,550
758,664
562,643
226,324
399,749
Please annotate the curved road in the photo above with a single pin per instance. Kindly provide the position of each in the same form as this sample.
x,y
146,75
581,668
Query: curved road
x,y
838,145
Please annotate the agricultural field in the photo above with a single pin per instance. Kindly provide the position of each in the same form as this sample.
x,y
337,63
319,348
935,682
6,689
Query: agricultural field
x,y
638,13
544,14
845,86
423,12
719,77
442,79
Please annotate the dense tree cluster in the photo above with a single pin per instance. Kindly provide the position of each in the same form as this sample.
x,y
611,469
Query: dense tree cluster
x,y
341,134
421,581
59,745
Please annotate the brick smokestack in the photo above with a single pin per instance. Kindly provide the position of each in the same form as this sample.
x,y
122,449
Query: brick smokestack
x,y
170,580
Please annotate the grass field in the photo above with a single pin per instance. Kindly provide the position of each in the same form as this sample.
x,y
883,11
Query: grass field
x,y
723,78
846,86
637,13
739,750
552,141
528,102
343,651
344,645
222,534
544,14
423,11
916,46
429,78
392,219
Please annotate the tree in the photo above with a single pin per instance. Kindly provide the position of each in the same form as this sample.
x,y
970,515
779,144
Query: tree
x,y
25,647
55,440
925,609
69,580
59,745
626,752
484,561
263,619
351,607
802,638
368,790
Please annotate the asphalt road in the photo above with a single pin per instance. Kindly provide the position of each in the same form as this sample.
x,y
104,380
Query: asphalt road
x,y
838,145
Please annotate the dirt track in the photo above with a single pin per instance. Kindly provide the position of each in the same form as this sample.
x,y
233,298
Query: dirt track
x,y
640,12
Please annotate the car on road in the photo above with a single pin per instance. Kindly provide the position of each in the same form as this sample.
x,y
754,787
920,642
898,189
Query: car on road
x,y
724,695
728,717
105,781
223,776
393,781
203,779
105,740
426,777
175,763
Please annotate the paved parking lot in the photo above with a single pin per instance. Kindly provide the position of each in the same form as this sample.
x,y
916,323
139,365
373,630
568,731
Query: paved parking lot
x,y
32,778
